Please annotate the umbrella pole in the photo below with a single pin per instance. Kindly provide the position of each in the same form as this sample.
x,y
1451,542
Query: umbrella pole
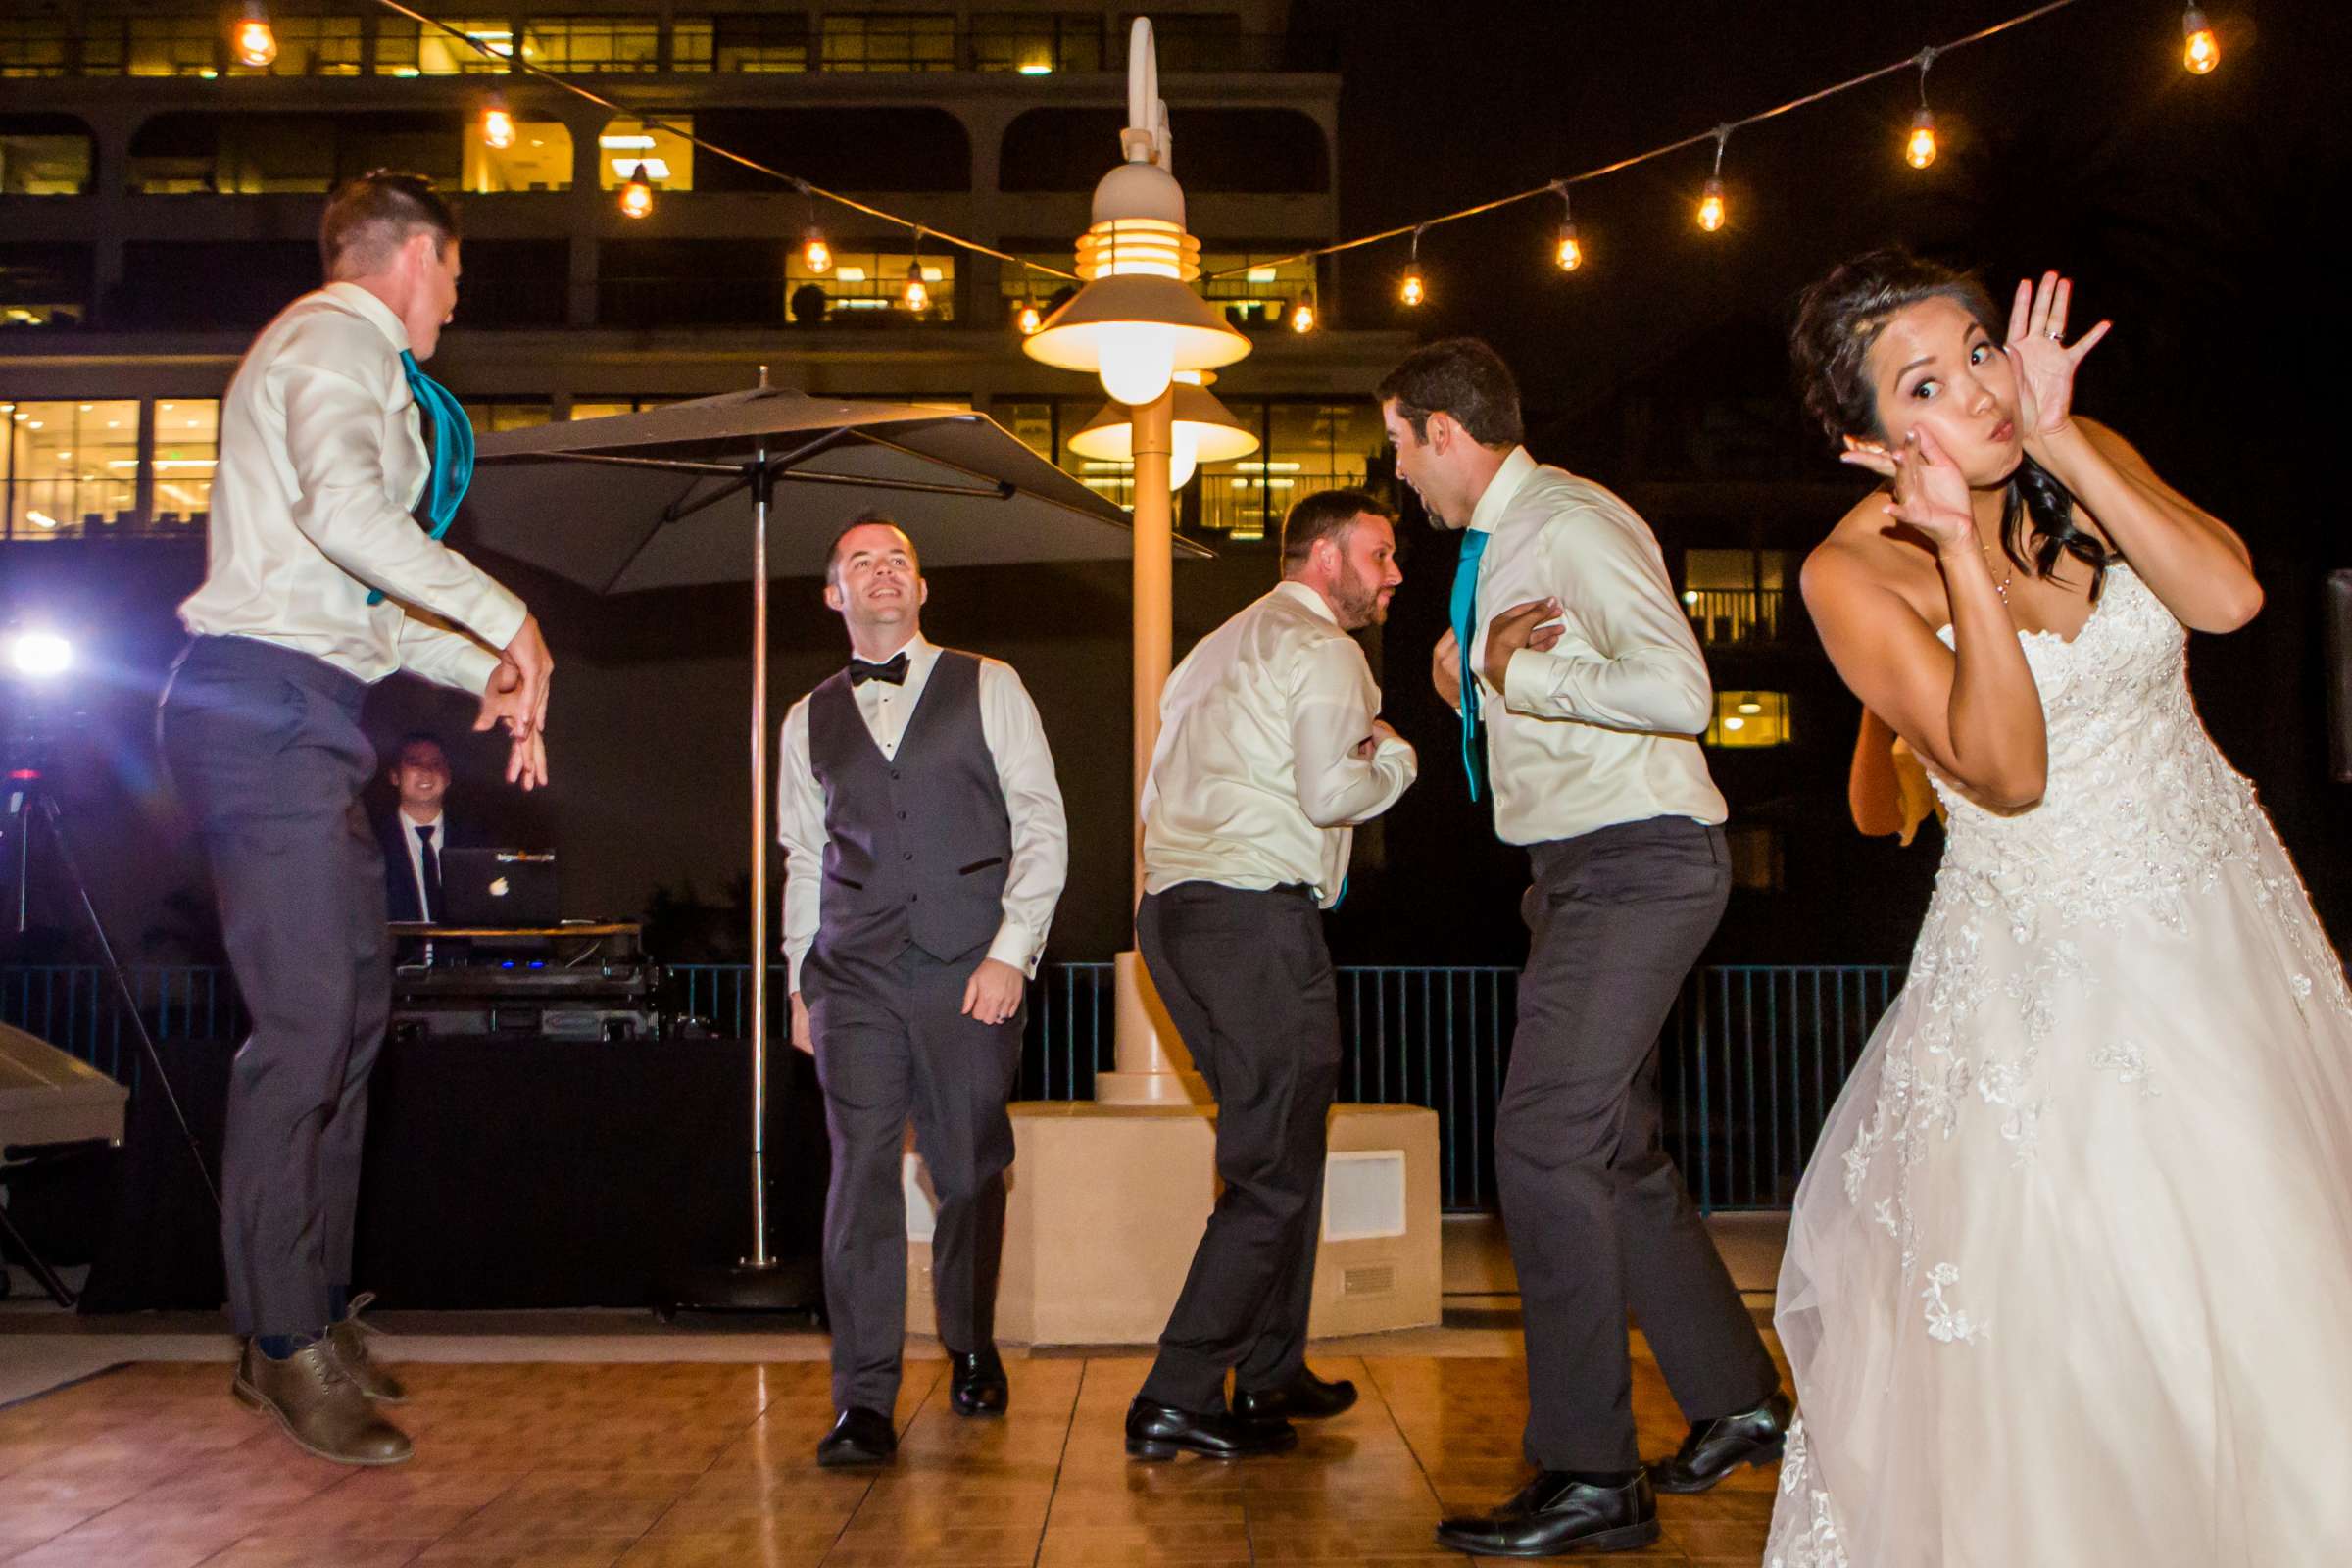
x,y
760,1282
762,490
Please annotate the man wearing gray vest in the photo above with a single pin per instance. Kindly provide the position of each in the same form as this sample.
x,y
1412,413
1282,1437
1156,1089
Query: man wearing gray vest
x,y
926,848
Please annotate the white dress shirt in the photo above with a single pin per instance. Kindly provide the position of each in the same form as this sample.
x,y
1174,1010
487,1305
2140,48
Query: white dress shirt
x,y
1017,740
321,461
408,832
1255,782
1604,728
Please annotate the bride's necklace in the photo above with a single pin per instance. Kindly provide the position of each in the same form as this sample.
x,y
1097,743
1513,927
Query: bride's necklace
x,y
2008,575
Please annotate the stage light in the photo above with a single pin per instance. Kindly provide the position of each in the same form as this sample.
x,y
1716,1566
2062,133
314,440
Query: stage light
x,y
815,254
1710,207
39,655
2203,50
498,125
254,42
1919,151
636,194
916,294
1302,314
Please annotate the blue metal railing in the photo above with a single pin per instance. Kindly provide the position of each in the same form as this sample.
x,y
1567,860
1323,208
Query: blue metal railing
x,y
1749,1062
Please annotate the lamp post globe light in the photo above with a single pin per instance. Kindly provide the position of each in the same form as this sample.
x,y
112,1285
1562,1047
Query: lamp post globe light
x,y
1135,324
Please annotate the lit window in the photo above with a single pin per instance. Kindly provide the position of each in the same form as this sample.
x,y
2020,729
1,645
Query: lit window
x,y
604,407
866,286
488,418
690,44
413,49
540,158
593,44
881,41
1261,290
668,157
1040,43
309,46
187,439
1734,596
178,46
1749,718
43,285
33,46
39,159
69,468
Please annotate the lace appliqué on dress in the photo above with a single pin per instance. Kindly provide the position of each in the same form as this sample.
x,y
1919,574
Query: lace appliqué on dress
x,y
1804,1530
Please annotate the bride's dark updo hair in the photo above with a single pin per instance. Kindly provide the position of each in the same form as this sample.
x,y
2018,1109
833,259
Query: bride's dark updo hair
x,y
1840,317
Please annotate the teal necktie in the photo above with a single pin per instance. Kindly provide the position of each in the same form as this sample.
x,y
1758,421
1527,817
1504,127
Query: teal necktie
x,y
453,451
1465,607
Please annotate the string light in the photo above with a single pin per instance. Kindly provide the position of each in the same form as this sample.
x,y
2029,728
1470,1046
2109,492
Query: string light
x,y
1918,149
1029,318
497,123
636,194
2203,50
255,41
1302,314
815,254
1412,290
1710,202
917,296
1569,253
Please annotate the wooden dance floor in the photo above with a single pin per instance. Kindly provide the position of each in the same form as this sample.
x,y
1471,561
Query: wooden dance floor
x,y
670,1465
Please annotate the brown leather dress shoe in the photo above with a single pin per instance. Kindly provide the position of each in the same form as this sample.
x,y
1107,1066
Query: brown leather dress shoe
x,y
350,1339
315,1400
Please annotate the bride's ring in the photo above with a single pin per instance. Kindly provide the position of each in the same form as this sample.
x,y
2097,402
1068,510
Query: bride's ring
x,y
2053,337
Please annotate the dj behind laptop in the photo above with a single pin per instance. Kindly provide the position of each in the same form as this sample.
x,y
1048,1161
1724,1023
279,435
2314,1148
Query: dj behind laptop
x,y
501,961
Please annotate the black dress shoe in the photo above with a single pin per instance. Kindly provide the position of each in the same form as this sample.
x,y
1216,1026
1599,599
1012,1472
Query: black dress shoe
x,y
1561,1511
859,1437
1305,1398
1715,1449
976,1384
1162,1432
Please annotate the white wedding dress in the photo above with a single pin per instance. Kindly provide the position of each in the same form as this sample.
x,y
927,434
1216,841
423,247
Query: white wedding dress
x,y
2069,1282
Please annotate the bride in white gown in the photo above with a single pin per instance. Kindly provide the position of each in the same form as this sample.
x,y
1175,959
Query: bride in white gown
x,y
2068,1281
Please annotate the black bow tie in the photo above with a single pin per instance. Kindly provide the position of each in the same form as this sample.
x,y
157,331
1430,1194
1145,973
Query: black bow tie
x,y
892,670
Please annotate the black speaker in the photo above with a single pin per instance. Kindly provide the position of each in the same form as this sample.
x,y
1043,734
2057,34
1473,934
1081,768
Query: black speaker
x,y
2339,676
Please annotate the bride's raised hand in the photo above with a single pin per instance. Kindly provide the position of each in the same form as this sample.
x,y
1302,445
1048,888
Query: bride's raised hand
x,y
1928,492
2043,360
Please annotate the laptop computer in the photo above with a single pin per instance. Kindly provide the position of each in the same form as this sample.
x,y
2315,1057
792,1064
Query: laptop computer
x,y
498,887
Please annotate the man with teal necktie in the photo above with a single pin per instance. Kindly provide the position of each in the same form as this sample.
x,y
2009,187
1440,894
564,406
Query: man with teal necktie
x,y
324,574
1582,693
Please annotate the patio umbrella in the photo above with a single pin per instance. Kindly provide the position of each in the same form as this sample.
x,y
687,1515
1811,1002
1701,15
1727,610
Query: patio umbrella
x,y
683,494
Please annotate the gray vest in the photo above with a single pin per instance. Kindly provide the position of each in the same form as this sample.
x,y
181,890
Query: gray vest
x,y
919,843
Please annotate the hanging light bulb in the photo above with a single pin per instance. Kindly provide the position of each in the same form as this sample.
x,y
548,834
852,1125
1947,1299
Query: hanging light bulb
x,y
1919,148
1302,314
1710,202
2203,50
1029,318
497,123
1412,290
918,294
1710,206
254,42
1919,151
1569,251
815,254
636,194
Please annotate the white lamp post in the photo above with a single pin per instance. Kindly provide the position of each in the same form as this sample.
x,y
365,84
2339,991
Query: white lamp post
x,y
1135,324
